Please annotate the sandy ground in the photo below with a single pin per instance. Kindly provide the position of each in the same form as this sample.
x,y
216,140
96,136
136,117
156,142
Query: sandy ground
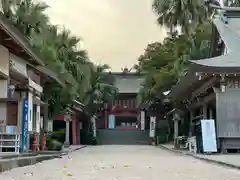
x,y
122,162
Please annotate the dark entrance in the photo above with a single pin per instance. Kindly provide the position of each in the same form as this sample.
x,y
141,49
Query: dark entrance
x,y
123,137
59,128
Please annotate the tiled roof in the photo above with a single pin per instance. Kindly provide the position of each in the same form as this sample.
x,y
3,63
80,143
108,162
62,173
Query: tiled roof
x,y
128,84
228,26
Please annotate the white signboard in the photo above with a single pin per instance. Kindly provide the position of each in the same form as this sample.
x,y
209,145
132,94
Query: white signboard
x,y
38,120
152,126
30,111
142,120
94,126
208,135
41,122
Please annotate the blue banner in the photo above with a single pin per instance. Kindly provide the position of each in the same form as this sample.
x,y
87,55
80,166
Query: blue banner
x,y
24,141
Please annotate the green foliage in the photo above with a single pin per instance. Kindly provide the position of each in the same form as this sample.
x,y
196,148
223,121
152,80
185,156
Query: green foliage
x,y
60,51
165,62
54,145
55,140
58,134
183,14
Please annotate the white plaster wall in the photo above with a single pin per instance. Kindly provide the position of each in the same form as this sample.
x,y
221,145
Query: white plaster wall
x,y
19,65
3,117
3,88
4,60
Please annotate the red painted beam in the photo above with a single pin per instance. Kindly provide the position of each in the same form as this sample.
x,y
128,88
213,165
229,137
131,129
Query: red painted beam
x,y
125,114
127,128
74,130
59,118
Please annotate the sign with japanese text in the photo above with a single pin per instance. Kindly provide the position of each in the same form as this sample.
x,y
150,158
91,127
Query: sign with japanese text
x,y
152,126
209,135
24,142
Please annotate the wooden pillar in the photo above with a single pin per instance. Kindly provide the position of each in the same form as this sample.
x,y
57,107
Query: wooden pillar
x,y
45,118
74,128
78,132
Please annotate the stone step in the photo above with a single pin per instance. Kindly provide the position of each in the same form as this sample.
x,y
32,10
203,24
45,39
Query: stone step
x,y
122,137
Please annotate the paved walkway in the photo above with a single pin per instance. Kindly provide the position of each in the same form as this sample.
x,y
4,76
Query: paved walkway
x,y
232,160
122,163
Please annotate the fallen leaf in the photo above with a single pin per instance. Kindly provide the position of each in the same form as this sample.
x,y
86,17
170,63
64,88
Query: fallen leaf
x,y
69,174
126,165
65,166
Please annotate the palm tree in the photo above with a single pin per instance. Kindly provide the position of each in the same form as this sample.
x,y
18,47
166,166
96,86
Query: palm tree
x,y
102,85
26,15
182,13
30,17
84,81
7,6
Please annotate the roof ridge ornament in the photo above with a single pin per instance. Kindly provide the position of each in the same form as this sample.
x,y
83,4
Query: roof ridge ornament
x,y
224,18
126,70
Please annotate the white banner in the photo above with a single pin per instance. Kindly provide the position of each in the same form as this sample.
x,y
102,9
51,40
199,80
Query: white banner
x,y
38,120
142,120
209,135
94,126
152,127
41,122
30,111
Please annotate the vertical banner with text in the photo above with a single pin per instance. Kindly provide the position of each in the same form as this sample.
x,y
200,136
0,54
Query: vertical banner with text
x,y
209,139
142,120
152,126
24,142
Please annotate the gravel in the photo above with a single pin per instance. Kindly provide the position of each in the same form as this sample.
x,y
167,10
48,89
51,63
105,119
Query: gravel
x,y
124,163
